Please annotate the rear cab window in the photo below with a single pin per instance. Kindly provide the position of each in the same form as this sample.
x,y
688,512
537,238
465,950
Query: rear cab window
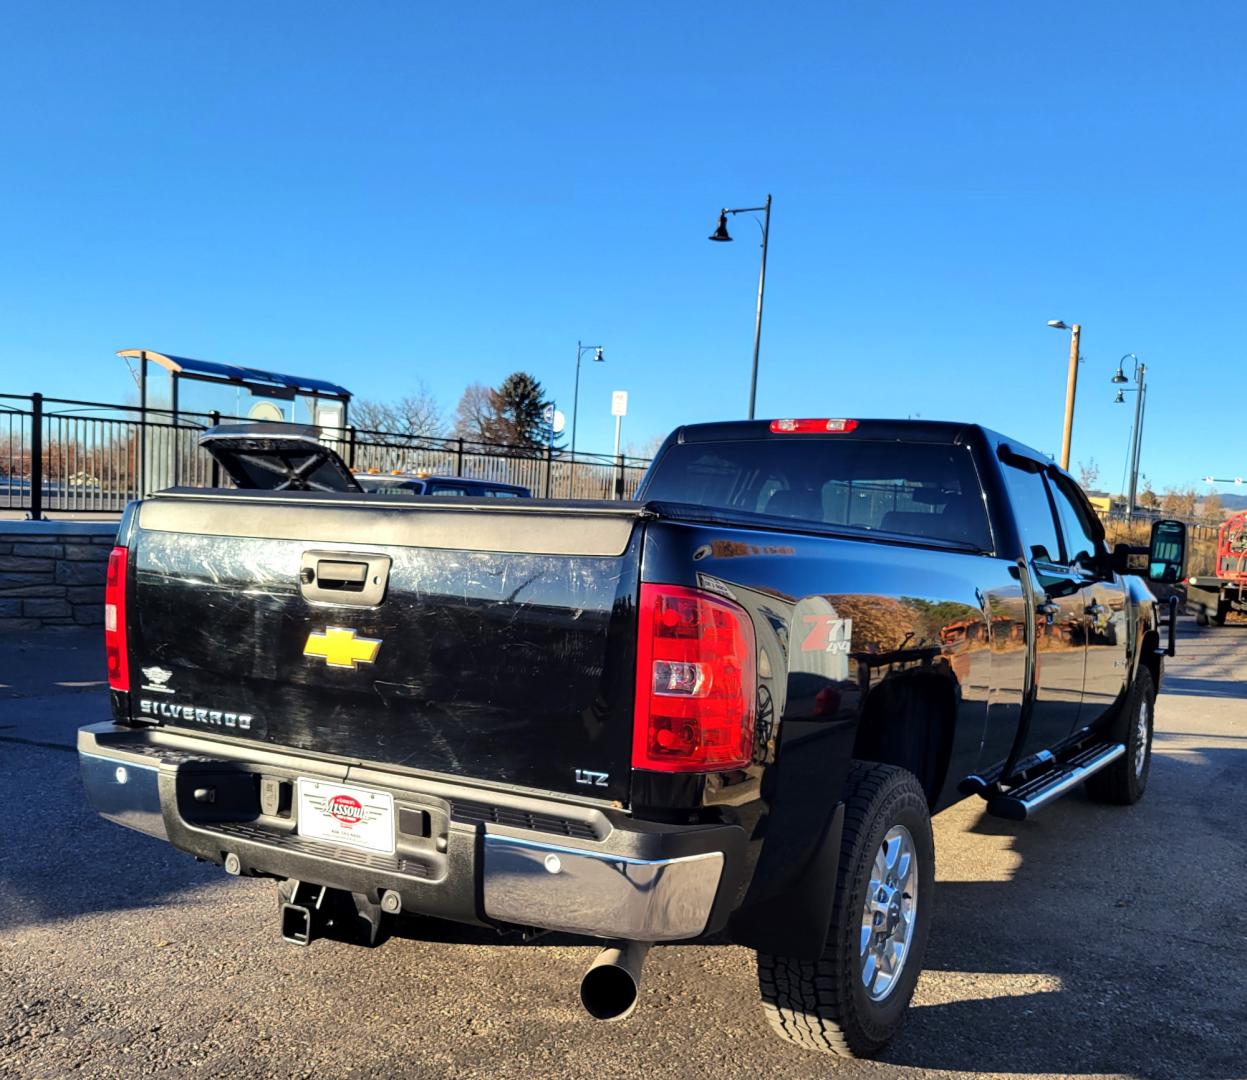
x,y
1081,545
1034,512
929,491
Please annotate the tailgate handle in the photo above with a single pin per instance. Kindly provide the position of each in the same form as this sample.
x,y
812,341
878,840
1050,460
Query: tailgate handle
x,y
344,577
341,575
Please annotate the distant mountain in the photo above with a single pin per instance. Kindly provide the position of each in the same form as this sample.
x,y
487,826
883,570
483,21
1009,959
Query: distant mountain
x,y
1234,502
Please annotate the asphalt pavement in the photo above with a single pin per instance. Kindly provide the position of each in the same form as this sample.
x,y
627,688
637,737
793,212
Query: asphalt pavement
x,y
1091,941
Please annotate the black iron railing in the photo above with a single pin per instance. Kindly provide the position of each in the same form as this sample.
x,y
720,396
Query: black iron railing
x,y
64,456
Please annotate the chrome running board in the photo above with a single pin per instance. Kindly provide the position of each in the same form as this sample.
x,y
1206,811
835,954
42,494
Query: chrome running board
x,y
1019,803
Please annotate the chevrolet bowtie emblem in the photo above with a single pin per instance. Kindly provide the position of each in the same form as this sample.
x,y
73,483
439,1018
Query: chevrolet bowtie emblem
x,y
339,647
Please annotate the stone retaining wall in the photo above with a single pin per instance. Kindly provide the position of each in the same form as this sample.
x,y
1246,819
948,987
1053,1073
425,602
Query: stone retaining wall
x,y
52,573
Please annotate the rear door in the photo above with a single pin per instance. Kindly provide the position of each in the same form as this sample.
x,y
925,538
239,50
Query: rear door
x,y
1060,610
1107,632
479,640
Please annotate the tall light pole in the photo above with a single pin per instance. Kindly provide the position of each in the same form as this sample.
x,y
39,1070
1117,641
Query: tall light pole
x,y
721,235
1071,387
1136,433
598,358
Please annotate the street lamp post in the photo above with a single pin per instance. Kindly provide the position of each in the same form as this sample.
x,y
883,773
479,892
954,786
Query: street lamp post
x,y
1136,433
598,358
721,235
1071,387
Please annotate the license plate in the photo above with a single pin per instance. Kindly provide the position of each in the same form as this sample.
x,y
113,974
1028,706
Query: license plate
x,y
350,816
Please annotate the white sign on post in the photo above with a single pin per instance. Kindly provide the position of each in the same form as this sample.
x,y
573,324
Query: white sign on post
x,y
619,403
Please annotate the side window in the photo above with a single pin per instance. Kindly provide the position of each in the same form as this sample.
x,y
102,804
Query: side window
x,y
1080,539
1029,494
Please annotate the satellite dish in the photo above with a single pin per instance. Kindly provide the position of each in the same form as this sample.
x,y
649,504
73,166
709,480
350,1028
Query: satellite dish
x,y
265,410
558,423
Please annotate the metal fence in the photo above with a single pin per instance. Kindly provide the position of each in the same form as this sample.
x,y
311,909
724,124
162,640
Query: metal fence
x,y
62,456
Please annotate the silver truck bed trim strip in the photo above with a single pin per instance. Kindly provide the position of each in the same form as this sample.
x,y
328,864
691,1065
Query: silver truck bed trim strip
x,y
530,531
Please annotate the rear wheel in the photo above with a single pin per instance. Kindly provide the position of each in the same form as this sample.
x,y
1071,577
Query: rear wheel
x,y
852,999
1124,782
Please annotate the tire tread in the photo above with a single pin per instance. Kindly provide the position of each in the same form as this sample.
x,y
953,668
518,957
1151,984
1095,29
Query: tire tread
x,y
1117,784
806,1001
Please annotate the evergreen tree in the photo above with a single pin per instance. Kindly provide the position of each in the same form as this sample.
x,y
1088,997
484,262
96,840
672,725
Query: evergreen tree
x,y
517,406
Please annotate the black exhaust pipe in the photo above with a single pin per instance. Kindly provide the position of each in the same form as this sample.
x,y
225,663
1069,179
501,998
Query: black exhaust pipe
x,y
610,987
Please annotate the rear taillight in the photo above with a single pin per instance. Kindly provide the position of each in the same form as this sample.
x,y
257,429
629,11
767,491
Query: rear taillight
x,y
696,694
812,427
115,620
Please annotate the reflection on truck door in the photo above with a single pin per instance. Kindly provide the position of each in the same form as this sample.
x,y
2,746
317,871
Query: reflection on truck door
x,y
1060,654
1105,608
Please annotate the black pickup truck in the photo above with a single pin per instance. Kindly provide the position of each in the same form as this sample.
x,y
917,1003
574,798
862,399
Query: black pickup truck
x,y
725,709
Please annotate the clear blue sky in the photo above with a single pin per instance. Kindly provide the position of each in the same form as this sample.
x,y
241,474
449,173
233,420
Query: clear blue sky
x,y
380,193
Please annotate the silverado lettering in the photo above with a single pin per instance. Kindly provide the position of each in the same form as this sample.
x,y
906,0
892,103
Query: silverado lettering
x,y
172,711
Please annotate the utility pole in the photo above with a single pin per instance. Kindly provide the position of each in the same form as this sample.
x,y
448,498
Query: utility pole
x,y
1136,432
1071,389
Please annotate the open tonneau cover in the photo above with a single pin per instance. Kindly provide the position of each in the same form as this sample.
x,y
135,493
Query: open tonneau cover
x,y
278,457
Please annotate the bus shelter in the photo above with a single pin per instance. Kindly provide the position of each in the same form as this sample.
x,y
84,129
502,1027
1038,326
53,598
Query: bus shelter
x,y
327,405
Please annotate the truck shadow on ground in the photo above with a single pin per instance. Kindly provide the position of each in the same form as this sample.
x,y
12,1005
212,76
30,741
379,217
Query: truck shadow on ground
x,y
1079,960
78,863
1087,959
1214,688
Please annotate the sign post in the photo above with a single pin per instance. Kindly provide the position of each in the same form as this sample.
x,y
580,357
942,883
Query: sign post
x,y
619,409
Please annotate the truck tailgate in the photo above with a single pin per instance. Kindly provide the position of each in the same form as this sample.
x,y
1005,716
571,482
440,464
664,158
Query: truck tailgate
x,y
501,646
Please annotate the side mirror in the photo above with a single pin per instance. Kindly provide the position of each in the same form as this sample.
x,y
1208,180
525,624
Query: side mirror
x,y
1166,558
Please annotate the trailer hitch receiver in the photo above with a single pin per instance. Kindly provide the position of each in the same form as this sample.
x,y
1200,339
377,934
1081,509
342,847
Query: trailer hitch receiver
x,y
308,911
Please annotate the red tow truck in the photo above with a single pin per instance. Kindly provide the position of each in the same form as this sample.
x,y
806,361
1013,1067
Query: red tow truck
x,y
1210,599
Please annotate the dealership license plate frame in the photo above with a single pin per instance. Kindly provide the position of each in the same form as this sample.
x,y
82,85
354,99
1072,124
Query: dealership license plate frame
x,y
373,831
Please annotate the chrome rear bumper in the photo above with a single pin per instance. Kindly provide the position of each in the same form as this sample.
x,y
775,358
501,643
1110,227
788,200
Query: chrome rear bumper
x,y
598,893
607,877
124,792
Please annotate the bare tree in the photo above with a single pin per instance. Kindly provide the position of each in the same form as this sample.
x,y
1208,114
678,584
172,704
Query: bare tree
x,y
1179,502
372,415
417,415
1088,474
1147,497
476,417
1210,507
645,449
420,414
